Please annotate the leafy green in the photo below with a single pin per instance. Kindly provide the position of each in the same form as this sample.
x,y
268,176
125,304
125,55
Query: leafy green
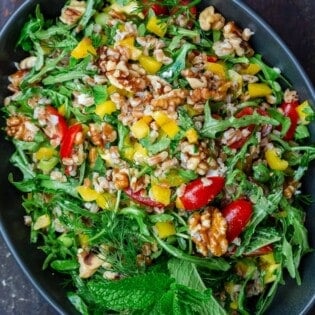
x,y
214,126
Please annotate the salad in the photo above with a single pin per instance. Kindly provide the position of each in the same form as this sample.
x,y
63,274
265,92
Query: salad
x,y
161,158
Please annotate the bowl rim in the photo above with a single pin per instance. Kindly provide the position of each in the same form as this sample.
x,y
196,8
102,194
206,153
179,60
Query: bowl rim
x,y
27,6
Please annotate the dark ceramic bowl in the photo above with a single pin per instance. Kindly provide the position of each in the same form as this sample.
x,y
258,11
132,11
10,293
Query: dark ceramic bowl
x,y
290,299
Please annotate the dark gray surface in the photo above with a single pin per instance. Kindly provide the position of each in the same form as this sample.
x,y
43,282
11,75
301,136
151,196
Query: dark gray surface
x,y
292,20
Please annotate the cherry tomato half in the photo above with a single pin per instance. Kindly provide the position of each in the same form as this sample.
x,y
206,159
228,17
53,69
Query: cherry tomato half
x,y
199,192
139,198
289,110
67,144
237,214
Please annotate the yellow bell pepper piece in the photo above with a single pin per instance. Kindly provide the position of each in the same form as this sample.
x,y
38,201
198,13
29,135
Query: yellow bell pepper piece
x,y
216,68
161,194
304,110
45,153
129,42
156,26
274,161
87,194
179,204
140,129
83,240
167,124
150,64
105,108
83,49
62,110
160,118
42,222
165,229
106,201
259,90
170,128
192,135
251,69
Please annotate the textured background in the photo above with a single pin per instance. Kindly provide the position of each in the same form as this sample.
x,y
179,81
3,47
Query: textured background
x,y
291,19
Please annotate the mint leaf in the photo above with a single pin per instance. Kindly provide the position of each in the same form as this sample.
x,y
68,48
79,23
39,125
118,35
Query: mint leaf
x,y
134,293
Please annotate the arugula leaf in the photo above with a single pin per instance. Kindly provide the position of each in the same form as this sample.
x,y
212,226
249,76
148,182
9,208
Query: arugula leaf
x,y
185,121
100,94
172,71
210,263
213,126
160,145
186,273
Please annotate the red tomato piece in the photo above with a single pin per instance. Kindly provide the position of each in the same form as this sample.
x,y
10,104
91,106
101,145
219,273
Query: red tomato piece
x,y
68,142
139,198
61,127
199,192
289,110
237,214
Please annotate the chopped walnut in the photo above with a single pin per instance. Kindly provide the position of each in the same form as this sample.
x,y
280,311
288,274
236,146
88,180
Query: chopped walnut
x,y
172,99
120,178
208,19
203,94
89,263
21,128
208,232
15,80
290,96
100,134
195,159
290,188
71,13
28,63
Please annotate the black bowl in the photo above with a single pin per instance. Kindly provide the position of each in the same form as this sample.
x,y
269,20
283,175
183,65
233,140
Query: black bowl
x,y
290,299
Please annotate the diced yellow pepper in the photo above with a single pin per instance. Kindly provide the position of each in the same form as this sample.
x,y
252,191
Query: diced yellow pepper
x,y
251,69
268,259
87,194
274,161
156,26
83,240
270,275
160,118
111,89
42,222
259,90
62,110
83,49
105,108
170,128
161,194
192,135
129,42
165,229
179,204
106,201
234,305
140,129
304,110
147,119
150,64
45,153
216,68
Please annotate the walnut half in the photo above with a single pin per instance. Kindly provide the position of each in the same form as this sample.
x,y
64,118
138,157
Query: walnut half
x,y
208,232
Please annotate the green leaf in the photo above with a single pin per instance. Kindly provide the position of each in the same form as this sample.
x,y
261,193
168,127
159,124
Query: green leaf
x,y
134,293
100,94
213,126
186,274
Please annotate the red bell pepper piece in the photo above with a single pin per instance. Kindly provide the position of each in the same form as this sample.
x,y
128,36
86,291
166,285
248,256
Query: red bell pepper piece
x,y
237,214
138,197
158,9
61,126
212,58
261,251
199,192
68,142
289,110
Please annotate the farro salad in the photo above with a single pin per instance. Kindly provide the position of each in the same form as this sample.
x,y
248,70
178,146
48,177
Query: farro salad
x,y
161,158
